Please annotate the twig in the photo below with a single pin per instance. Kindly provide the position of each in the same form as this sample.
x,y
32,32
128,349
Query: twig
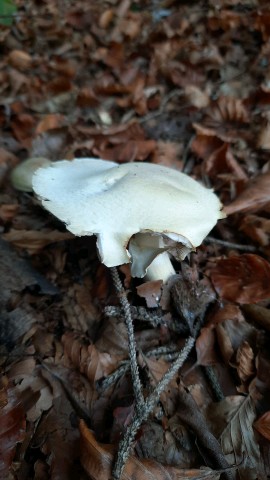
x,y
237,246
213,380
168,352
137,386
166,98
141,416
187,166
105,383
208,445
140,313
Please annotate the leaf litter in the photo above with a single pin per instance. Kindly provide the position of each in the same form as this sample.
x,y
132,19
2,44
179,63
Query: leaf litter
x,y
182,85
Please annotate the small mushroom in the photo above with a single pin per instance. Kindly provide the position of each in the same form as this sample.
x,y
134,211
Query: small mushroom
x,y
21,176
139,212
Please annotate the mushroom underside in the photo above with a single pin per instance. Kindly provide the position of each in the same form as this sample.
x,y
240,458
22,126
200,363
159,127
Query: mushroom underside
x,y
144,247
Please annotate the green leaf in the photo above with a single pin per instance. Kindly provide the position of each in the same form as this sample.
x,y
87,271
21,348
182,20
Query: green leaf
x,y
7,10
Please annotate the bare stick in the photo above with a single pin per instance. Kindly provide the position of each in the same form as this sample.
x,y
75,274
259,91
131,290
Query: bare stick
x,y
140,416
137,386
236,246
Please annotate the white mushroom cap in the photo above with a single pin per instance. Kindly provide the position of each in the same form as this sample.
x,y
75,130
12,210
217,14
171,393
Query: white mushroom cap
x,y
115,202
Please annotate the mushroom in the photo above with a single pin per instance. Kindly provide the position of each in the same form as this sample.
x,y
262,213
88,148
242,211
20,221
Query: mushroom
x,y
139,212
21,176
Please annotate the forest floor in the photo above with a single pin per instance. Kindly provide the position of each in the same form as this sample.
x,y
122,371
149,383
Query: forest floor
x,y
184,84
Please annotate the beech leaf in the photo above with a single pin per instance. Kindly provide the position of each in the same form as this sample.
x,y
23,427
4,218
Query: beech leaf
x,y
242,279
97,460
238,441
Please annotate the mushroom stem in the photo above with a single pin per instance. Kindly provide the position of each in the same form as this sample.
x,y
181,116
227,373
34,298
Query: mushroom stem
x,y
160,269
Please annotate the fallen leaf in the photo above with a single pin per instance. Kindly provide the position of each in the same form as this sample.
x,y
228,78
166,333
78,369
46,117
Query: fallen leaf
x,y
23,126
196,96
257,228
245,362
262,425
97,460
204,145
17,274
59,438
25,374
255,197
238,441
49,122
106,18
264,138
13,426
20,59
219,414
222,161
151,291
8,212
258,314
206,347
88,359
242,279
168,154
127,152
33,241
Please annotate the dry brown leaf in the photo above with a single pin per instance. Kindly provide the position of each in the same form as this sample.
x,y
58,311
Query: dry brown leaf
x,y
49,122
129,26
106,18
227,118
255,197
264,138
245,362
20,60
115,134
242,279
88,360
23,126
229,109
168,154
219,414
79,307
204,145
97,460
230,336
87,98
222,161
205,347
262,425
156,368
79,17
228,327
197,97
13,425
257,228
8,212
34,241
228,311
127,152
258,314
114,338
151,291
59,439
239,443
25,374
